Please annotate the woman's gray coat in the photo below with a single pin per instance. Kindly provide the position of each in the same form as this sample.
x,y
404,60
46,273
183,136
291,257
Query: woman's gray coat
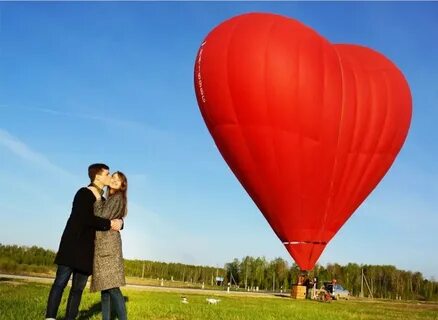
x,y
108,268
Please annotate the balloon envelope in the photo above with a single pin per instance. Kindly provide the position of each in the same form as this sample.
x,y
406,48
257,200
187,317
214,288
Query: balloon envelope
x,y
309,128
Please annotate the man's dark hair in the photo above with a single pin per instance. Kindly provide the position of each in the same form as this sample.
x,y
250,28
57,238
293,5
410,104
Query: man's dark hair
x,y
96,168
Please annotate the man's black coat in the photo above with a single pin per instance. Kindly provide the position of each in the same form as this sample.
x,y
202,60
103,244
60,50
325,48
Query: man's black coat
x,y
76,249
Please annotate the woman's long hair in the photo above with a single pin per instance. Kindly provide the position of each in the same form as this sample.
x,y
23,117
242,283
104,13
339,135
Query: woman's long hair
x,y
123,190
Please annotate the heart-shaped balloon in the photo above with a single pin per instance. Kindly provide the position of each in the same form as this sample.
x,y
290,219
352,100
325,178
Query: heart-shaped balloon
x,y
309,128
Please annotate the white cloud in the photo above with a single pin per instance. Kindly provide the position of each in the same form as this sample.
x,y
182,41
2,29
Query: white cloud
x,y
138,128
24,152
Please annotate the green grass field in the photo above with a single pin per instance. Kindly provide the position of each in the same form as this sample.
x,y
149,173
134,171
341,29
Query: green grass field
x,y
21,300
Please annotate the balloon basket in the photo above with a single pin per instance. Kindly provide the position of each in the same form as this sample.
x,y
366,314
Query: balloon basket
x,y
298,292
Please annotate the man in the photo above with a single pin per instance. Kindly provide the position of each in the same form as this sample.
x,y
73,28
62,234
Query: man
x,y
76,250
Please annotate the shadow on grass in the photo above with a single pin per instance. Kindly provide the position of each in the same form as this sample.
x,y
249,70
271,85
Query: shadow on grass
x,y
95,309
87,314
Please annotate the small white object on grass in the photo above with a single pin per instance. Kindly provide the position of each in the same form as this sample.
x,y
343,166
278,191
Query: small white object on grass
x,y
184,300
212,301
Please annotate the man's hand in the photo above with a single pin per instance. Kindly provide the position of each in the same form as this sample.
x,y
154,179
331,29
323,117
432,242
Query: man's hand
x,y
116,224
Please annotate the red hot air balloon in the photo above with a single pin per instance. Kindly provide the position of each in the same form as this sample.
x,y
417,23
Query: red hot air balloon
x,y
309,128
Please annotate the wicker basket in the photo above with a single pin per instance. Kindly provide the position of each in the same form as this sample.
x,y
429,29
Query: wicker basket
x,y
298,292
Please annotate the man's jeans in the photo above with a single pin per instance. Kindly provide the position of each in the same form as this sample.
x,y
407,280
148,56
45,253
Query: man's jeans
x,y
74,299
113,297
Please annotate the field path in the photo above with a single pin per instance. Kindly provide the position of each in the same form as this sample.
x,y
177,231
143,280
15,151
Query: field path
x,y
42,279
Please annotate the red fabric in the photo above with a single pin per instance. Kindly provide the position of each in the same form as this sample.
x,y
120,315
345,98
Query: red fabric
x,y
309,128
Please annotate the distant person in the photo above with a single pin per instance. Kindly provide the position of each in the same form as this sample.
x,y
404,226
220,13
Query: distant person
x,y
108,270
76,250
315,287
308,284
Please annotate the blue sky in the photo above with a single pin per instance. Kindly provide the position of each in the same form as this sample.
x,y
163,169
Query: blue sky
x,y
84,82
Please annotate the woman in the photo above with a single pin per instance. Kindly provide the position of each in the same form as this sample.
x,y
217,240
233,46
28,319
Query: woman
x,y
108,270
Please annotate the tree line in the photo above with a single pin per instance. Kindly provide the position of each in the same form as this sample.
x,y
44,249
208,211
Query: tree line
x,y
378,281
249,273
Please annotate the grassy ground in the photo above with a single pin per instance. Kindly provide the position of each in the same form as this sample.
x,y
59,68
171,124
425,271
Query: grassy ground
x,y
23,300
